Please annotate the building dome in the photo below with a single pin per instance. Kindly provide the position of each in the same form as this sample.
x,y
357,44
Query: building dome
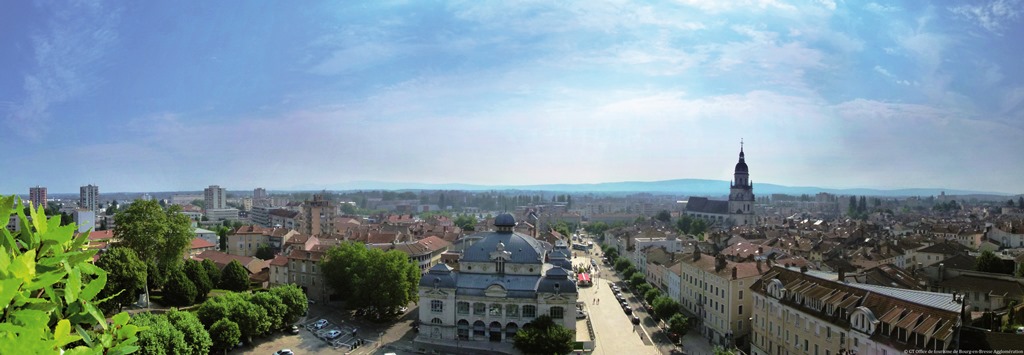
x,y
505,220
741,167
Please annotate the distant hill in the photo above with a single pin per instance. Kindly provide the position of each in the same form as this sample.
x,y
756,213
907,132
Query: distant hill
x,y
697,187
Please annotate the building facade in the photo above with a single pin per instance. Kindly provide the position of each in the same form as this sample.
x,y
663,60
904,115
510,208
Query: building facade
x,y
318,216
503,283
215,197
717,293
810,312
89,197
37,196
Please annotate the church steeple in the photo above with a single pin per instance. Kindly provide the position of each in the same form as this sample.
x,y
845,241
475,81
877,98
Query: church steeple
x,y
741,193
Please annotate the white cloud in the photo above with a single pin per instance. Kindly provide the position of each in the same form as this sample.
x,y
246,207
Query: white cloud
x,y
993,16
879,8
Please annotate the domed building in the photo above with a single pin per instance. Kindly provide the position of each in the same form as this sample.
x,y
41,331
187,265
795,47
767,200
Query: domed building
x,y
503,283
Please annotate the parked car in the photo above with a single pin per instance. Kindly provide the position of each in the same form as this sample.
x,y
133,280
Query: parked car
x,y
294,329
635,320
330,335
581,314
284,352
320,324
628,310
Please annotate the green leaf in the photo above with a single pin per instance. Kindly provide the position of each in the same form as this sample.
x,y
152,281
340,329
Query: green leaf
x,y
73,286
86,338
62,333
45,280
24,266
121,318
93,288
96,314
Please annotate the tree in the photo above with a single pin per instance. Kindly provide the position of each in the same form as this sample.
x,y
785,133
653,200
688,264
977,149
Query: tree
x,y
544,336
371,277
683,224
294,299
225,334
125,280
196,272
637,279
49,290
1020,202
665,307
265,252
213,310
698,227
989,262
199,203
678,324
275,308
466,222
664,216
196,336
234,277
154,234
161,337
179,291
622,263
722,351
212,272
252,319
222,234
652,295
643,288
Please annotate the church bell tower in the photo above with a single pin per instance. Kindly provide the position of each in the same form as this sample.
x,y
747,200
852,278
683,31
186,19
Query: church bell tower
x,y
741,194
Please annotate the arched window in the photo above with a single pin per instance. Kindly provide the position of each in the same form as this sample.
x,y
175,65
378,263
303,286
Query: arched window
x,y
479,309
436,321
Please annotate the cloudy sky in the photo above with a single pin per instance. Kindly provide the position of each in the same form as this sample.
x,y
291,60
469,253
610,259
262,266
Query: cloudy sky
x,y
178,95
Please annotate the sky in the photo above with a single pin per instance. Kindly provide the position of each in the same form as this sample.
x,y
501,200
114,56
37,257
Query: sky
x,y
178,95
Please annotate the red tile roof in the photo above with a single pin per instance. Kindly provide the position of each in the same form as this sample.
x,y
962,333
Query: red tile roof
x,y
200,243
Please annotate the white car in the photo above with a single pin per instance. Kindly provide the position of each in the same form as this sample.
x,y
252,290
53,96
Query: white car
x,y
320,324
284,352
332,334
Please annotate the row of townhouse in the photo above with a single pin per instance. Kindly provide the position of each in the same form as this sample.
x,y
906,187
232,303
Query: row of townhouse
x,y
800,311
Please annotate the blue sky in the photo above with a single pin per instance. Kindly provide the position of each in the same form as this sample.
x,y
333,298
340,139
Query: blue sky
x,y
159,96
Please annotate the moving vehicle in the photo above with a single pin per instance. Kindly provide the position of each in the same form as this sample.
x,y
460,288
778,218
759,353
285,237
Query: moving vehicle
x,y
635,320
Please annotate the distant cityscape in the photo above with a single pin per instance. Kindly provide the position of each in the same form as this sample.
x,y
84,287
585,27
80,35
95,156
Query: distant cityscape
x,y
885,253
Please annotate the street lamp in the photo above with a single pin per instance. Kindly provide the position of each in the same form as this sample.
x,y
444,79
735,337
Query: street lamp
x,y
380,343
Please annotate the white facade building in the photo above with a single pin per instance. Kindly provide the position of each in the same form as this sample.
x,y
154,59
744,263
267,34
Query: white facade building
x,y
503,283
215,197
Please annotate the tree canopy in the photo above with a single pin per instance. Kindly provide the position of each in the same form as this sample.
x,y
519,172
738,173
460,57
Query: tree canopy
x,y
275,308
156,235
544,336
664,216
371,277
234,277
265,252
161,337
252,319
212,272
225,334
125,280
665,307
196,336
466,221
48,290
294,299
678,324
179,291
196,272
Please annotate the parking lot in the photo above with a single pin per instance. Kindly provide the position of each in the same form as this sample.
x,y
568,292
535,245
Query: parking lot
x,y
311,340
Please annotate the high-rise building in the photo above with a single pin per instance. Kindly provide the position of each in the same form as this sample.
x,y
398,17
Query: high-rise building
x,y
259,193
37,195
215,197
318,216
89,197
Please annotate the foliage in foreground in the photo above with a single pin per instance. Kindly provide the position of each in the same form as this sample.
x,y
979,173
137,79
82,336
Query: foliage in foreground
x,y
544,336
48,290
371,277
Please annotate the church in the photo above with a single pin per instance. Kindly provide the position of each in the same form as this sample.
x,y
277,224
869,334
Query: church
x,y
505,280
738,210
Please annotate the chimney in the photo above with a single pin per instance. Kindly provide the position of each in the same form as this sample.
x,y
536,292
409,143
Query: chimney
x,y
942,272
842,275
733,272
758,261
803,269
696,252
760,250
